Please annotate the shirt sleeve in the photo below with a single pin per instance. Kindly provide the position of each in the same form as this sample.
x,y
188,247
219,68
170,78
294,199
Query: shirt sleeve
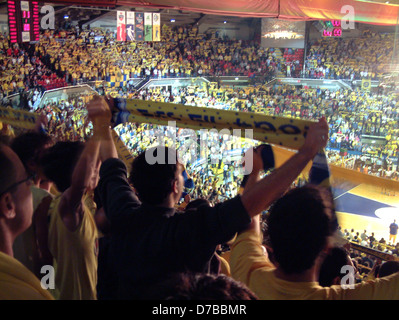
x,y
248,255
385,288
213,225
115,193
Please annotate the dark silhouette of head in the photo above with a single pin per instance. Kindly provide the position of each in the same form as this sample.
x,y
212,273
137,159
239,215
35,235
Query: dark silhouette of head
x,y
299,225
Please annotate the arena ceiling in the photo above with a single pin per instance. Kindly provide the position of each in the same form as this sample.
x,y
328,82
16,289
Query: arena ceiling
x,y
379,12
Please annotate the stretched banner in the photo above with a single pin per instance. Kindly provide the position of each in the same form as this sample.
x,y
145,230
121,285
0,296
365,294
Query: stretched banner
x,y
121,26
281,133
130,32
123,152
274,130
148,26
18,118
156,27
139,17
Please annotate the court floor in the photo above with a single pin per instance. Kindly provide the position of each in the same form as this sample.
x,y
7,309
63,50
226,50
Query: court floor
x,y
366,207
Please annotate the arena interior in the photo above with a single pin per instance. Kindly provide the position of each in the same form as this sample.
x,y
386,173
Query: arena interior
x,y
270,60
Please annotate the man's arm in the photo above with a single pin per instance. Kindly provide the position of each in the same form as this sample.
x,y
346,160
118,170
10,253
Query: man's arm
x,y
71,201
262,194
116,195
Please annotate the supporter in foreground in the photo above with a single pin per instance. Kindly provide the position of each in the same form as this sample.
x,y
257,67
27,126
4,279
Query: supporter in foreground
x,y
149,239
28,247
331,268
198,286
72,235
16,210
299,229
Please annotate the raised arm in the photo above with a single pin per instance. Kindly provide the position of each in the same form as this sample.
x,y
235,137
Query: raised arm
x,y
71,201
262,194
116,195
100,111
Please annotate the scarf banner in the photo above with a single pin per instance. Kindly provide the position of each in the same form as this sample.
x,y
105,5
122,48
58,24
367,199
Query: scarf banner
x,y
123,152
18,118
286,132
319,173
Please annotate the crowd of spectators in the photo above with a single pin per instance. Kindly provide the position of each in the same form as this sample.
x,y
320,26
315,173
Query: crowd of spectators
x,y
22,69
95,55
88,180
351,117
364,57
141,221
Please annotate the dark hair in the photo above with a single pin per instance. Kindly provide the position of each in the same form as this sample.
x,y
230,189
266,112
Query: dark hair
x,y
153,182
7,170
388,268
298,226
332,265
194,204
28,146
199,286
59,161
5,139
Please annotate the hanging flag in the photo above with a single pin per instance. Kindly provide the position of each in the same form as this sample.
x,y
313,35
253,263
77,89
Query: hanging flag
x,y
366,85
121,26
139,16
148,26
156,27
319,174
130,31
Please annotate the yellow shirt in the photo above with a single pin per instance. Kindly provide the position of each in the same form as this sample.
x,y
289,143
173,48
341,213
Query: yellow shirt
x,y
24,245
18,283
250,265
75,254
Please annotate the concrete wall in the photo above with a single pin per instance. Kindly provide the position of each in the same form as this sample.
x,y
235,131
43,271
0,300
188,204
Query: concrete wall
x,y
232,31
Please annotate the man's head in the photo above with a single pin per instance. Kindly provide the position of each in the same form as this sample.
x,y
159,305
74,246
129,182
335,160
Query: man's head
x,y
330,271
29,147
156,175
299,225
16,205
388,268
58,162
198,286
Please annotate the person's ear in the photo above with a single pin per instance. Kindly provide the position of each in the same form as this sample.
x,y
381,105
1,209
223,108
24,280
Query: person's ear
x,y
7,206
175,187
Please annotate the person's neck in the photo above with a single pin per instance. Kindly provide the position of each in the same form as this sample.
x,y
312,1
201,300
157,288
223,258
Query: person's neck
x,y
169,202
306,276
6,242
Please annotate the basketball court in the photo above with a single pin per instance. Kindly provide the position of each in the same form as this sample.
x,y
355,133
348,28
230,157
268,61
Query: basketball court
x,y
366,207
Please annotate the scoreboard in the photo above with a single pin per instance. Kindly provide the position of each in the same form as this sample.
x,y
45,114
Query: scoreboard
x,y
332,28
23,21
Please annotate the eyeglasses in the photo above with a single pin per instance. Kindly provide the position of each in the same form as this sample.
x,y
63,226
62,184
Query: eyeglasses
x,y
16,184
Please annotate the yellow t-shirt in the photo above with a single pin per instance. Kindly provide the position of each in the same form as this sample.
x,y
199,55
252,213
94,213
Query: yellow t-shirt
x,y
249,264
18,283
75,254
24,246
